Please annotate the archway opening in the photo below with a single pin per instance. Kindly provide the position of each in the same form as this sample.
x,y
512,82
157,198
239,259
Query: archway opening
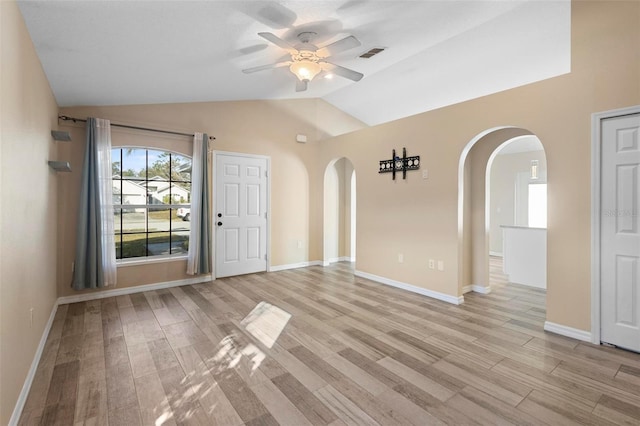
x,y
481,225
516,213
339,212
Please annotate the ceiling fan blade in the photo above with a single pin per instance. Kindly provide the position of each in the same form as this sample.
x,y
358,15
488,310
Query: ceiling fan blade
x,y
266,67
301,85
276,15
338,46
277,41
342,71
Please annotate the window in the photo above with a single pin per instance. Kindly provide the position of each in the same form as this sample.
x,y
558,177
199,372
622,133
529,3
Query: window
x,y
538,205
151,197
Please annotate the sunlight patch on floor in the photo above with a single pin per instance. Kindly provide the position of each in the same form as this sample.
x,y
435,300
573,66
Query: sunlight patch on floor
x,y
265,322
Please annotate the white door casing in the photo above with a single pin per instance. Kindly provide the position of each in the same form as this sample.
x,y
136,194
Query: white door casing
x,y
620,232
240,214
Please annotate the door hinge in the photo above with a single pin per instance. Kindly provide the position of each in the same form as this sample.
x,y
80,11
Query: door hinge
x,y
265,215
266,173
265,257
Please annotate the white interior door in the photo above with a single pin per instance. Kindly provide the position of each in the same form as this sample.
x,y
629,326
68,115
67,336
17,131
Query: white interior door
x,y
240,214
620,232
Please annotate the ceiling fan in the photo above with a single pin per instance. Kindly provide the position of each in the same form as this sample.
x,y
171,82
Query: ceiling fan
x,y
307,60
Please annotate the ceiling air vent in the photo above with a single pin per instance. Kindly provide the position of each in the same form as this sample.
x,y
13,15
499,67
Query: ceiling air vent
x,y
372,52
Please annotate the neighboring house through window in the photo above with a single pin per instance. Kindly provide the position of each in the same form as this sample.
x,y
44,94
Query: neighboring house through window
x,y
151,197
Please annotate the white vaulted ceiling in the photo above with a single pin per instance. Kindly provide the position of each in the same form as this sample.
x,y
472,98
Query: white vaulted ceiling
x,y
437,52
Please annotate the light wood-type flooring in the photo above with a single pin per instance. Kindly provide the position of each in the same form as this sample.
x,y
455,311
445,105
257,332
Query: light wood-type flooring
x,y
316,346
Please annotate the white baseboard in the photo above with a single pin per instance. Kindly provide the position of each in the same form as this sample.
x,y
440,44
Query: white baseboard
x,y
28,381
295,265
563,330
495,253
476,288
456,300
481,289
338,259
131,290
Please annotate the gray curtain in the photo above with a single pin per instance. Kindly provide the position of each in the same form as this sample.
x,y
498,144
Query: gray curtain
x,y
205,216
199,259
95,250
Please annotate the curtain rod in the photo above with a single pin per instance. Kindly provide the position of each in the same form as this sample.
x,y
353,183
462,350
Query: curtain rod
x,y
65,118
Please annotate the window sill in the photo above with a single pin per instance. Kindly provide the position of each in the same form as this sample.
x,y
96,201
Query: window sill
x,y
148,260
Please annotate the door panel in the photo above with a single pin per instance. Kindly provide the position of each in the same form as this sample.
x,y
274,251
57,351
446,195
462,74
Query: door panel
x,y
627,181
241,209
626,285
231,200
231,245
231,170
253,243
253,172
620,232
253,200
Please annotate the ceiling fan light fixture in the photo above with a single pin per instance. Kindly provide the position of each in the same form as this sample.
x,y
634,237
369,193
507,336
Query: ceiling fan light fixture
x,y
307,60
305,70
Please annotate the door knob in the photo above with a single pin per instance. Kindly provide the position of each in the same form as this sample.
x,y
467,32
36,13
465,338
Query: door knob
x,y
219,223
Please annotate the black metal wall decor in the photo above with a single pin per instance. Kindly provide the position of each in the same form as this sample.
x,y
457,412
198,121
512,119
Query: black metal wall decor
x,y
396,164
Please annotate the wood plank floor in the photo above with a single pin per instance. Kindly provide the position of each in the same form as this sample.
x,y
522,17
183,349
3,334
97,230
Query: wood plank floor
x,y
317,346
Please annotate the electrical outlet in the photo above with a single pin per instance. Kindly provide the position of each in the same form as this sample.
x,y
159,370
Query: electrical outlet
x,y
400,258
31,318
440,265
432,264
425,174
299,244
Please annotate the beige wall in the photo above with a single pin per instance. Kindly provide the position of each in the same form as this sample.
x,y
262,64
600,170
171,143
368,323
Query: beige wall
x,y
504,172
419,217
27,205
255,127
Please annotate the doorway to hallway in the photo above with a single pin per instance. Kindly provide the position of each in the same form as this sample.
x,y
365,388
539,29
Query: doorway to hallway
x,y
339,212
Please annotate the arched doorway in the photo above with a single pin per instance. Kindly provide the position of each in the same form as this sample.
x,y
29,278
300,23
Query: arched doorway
x,y
339,212
516,213
474,205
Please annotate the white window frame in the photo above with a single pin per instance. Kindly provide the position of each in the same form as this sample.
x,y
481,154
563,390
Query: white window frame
x,y
162,258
